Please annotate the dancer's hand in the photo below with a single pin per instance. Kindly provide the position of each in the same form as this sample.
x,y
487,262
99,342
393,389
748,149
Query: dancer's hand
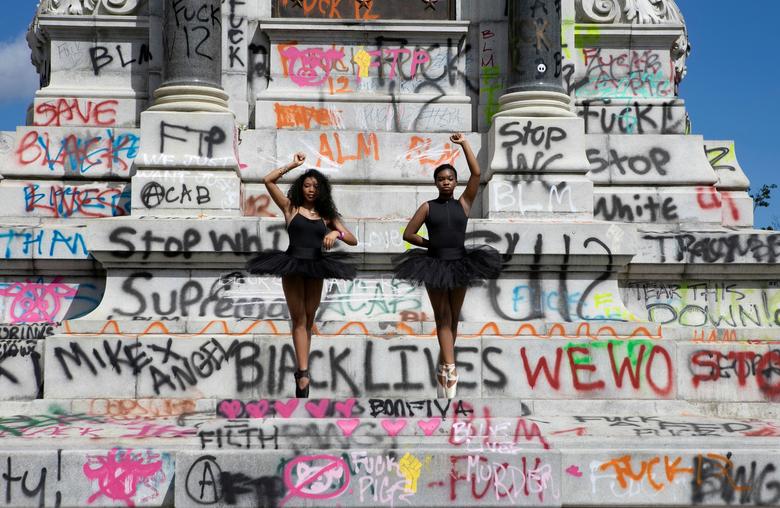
x,y
458,139
298,159
330,239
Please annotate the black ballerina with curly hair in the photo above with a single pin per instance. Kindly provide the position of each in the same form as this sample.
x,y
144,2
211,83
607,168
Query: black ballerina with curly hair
x,y
313,224
323,204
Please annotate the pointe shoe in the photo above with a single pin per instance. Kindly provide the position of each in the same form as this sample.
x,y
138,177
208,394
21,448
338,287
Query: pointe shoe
x,y
447,373
302,393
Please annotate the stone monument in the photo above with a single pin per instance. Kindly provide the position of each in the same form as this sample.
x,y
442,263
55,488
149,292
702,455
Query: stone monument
x,y
627,355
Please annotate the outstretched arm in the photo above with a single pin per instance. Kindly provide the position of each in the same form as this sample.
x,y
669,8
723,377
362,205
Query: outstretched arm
x,y
276,193
468,196
414,225
340,231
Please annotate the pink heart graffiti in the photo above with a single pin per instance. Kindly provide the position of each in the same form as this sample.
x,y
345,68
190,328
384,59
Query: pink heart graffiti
x,y
257,409
574,471
318,409
348,426
231,409
393,427
345,408
429,426
286,410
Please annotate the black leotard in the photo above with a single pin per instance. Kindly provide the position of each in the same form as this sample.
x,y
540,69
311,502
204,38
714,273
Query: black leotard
x,y
304,256
446,223
306,236
447,263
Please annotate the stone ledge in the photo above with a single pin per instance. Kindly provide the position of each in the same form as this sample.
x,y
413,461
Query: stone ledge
x,y
331,27
359,329
157,408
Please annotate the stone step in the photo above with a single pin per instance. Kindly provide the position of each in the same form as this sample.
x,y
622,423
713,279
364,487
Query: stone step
x,y
700,370
86,327
426,328
134,409
247,367
715,476
582,363
77,460
502,435
302,424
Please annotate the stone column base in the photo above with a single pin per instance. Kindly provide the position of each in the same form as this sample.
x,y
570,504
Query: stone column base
x,y
190,98
537,103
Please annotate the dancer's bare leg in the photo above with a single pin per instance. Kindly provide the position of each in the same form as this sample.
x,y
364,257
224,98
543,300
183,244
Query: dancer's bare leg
x,y
294,292
442,313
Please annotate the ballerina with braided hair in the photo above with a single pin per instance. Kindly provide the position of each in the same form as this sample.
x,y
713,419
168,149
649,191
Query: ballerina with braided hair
x,y
313,225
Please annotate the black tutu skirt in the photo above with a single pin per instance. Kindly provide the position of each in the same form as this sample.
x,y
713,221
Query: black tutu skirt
x,y
312,264
450,268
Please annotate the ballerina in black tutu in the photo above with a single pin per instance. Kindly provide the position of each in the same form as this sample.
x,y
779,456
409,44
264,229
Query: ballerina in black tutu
x,y
447,267
313,223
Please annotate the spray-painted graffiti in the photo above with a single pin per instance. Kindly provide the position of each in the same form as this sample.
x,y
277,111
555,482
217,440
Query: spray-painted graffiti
x,y
363,9
610,116
78,154
29,243
125,475
708,477
635,368
366,478
75,111
46,301
715,248
619,73
37,301
636,208
491,82
702,303
388,64
299,116
762,368
66,201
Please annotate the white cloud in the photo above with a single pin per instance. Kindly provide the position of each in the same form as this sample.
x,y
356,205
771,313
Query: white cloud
x,y
18,79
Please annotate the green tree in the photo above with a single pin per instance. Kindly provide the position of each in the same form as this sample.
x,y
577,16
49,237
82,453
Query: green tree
x,y
763,196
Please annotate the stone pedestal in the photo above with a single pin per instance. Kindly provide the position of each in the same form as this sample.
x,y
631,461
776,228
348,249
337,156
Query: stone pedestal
x,y
538,169
94,70
187,164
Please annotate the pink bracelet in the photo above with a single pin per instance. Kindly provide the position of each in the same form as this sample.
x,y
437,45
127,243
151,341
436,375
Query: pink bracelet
x,y
341,235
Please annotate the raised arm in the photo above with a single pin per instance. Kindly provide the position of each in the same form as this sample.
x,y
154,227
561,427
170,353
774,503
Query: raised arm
x,y
414,225
470,193
338,231
276,193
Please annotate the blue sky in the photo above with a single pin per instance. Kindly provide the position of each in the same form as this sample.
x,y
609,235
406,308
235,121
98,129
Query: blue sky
x,y
731,88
